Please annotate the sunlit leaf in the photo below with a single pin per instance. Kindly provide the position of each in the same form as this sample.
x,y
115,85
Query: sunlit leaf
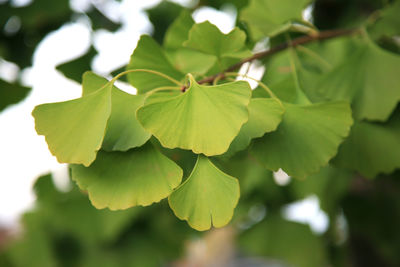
x,y
307,138
149,55
207,38
204,119
226,48
140,176
371,148
369,79
185,59
74,129
123,129
178,32
208,197
265,114
271,17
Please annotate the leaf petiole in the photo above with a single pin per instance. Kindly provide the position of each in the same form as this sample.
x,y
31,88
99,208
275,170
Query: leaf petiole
x,y
148,71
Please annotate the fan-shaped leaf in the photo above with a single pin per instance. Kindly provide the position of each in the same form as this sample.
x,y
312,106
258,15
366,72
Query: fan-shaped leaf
x,y
140,176
371,148
271,17
208,197
74,129
204,119
307,138
207,38
185,59
369,79
149,55
123,129
178,32
265,114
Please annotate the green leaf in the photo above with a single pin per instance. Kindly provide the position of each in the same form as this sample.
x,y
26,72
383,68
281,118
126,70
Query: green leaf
x,y
178,32
140,176
149,55
204,119
74,129
265,114
75,68
191,61
371,148
369,79
226,48
162,16
207,38
271,17
184,59
208,197
11,93
123,129
307,138
388,22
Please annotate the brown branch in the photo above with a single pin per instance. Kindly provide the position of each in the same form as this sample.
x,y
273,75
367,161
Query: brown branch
x,y
324,35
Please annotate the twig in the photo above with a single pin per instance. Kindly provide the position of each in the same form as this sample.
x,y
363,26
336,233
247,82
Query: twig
x,y
324,35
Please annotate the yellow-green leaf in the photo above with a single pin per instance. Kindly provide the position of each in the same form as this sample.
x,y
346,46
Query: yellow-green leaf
x,y
208,197
74,130
204,119
120,180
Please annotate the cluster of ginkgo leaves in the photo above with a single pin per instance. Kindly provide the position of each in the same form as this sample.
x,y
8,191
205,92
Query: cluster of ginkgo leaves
x,y
317,104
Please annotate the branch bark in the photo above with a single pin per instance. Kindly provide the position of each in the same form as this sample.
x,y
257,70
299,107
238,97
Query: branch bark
x,y
323,35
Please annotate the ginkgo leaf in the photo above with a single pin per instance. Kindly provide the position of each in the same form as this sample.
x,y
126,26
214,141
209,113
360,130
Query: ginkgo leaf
x,y
74,129
207,38
123,129
307,138
191,61
369,79
265,114
204,119
178,32
208,197
227,49
140,176
271,17
149,55
184,59
371,148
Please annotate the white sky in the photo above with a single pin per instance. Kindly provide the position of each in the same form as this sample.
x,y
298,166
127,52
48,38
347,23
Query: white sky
x,y
24,155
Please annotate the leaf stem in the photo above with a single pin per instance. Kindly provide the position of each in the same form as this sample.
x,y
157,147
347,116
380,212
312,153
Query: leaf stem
x,y
263,85
148,71
323,35
163,88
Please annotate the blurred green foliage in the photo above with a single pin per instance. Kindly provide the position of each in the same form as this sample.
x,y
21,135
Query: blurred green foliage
x,y
64,229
